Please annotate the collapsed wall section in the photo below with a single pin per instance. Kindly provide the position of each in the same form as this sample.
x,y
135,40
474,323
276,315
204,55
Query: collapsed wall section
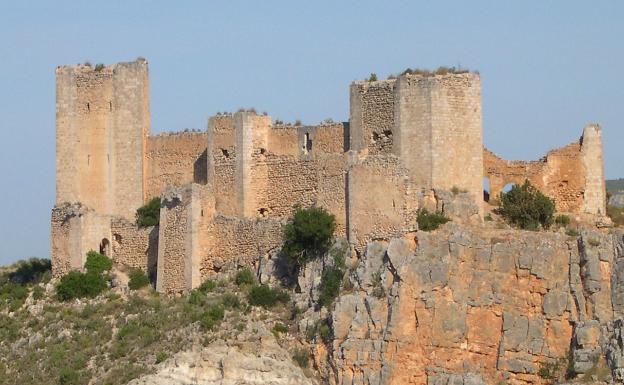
x,y
77,230
372,116
572,175
175,159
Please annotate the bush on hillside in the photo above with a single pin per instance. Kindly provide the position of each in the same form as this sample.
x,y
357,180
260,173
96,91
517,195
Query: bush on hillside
x,y
33,270
138,279
616,214
244,277
79,285
149,213
266,297
430,221
526,207
308,235
97,263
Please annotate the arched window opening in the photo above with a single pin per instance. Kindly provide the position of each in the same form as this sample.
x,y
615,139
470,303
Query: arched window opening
x,y
105,247
508,187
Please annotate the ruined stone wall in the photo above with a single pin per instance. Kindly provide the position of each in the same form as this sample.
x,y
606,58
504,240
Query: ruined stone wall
x,y
102,121
465,303
175,159
372,116
134,246
381,201
76,230
572,175
221,155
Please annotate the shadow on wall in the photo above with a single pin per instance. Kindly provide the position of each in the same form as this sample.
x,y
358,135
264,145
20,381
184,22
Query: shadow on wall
x,y
200,171
152,255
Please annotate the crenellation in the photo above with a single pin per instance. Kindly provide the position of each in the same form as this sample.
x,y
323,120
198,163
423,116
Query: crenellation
x,y
226,192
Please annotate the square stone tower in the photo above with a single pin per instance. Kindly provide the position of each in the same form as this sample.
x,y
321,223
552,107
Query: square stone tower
x,y
102,123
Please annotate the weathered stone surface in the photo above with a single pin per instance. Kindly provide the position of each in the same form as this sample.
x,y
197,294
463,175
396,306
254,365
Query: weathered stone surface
x,y
221,364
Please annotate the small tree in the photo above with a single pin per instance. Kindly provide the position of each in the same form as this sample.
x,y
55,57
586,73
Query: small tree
x,y
138,279
149,214
97,263
309,235
526,207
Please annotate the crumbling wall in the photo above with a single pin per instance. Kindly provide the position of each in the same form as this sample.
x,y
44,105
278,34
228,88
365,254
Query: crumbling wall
x,y
175,159
221,157
372,116
135,246
77,229
572,175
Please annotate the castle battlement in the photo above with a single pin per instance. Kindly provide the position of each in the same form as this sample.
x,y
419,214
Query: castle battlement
x,y
226,191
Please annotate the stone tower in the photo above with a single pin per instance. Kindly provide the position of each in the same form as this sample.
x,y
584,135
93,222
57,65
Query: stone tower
x,y
102,123
438,130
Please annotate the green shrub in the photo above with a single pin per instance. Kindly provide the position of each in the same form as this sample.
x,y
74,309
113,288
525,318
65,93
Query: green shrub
x,y
572,232
280,328
562,220
69,376
372,77
79,285
212,317
430,221
208,286
330,285
244,277
13,295
308,235
262,295
97,263
33,270
138,279
526,207
38,293
300,356
161,357
196,297
230,301
99,67
149,214
488,217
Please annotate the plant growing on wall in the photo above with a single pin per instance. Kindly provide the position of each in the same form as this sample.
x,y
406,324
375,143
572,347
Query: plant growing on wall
x,y
526,207
308,235
149,213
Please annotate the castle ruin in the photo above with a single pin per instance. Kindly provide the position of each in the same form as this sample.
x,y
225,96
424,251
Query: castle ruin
x,y
226,192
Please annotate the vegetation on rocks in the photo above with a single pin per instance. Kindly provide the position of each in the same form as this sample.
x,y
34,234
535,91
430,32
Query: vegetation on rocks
x,y
94,281
149,214
526,207
428,221
244,277
138,279
308,235
266,297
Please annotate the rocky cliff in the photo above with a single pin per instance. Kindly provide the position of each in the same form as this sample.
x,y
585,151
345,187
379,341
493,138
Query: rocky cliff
x,y
469,306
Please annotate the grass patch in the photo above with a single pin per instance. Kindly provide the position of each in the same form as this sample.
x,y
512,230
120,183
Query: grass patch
x,y
244,277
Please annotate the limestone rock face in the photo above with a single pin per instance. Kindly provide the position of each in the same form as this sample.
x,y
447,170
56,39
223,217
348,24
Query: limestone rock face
x,y
222,364
468,306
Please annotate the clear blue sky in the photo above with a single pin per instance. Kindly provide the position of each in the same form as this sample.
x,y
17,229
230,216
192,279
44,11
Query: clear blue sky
x,y
547,68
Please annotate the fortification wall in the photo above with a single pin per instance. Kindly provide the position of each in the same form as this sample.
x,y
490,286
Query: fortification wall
x,y
572,175
135,246
381,203
221,150
372,116
175,159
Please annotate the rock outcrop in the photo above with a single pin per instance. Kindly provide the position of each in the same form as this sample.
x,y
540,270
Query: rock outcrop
x,y
220,363
468,306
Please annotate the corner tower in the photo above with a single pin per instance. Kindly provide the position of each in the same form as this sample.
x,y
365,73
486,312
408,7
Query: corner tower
x,y
102,124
